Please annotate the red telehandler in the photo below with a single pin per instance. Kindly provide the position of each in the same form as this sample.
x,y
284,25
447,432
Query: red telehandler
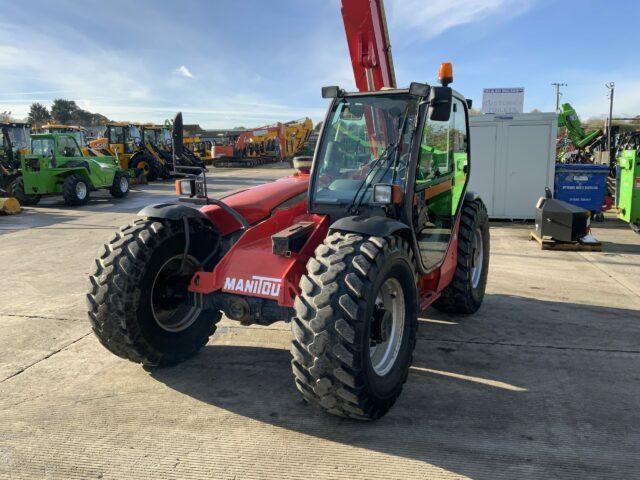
x,y
349,253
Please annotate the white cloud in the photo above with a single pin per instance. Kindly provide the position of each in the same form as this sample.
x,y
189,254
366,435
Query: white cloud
x,y
184,71
430,19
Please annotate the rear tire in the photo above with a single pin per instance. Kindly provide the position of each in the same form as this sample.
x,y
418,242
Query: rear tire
x,y
120,186
349,356
137,304
146,163
16,189
465,293
635,227
75,190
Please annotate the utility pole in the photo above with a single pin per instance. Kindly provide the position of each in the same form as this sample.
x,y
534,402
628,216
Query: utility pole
x,y
612,87
558,93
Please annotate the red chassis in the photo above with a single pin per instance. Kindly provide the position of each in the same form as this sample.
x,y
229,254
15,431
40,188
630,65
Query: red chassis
x,y
268,209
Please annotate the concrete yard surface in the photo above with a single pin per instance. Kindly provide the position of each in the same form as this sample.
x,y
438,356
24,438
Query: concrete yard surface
x,y
542,383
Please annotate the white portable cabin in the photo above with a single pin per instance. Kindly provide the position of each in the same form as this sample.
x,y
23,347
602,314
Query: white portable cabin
x,y
512,161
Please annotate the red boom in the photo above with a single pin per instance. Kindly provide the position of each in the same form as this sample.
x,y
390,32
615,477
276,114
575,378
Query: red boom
x,y
366,28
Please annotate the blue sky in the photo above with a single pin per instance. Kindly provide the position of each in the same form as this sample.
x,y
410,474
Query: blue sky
x,y
251,62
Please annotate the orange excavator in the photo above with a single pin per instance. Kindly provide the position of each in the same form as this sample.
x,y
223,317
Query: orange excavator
x,y
266,144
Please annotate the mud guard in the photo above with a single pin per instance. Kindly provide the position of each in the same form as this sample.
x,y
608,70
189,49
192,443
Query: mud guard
x,y
373,226
173,212
470,196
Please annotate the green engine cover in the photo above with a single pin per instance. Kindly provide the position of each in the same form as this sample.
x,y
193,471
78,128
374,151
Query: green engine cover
x,y
629,187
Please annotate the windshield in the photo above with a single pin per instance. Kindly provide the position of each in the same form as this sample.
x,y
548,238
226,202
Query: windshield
x,y
165,138
150,136
359,130
134,134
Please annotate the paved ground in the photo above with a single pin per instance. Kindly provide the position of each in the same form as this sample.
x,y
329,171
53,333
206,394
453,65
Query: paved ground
x,y
542,383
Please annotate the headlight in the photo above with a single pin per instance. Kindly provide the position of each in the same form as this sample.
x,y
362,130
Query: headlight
x,y
185,187
382,193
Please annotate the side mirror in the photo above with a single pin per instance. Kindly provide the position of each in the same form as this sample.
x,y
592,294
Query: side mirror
x,y
469,103
419,89
440,99
331,92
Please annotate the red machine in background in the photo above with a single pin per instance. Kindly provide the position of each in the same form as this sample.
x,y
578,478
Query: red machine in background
x,y
349,253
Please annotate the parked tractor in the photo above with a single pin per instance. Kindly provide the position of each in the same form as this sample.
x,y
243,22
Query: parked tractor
x,y
122,140
14,142
348,253
154,154
57,166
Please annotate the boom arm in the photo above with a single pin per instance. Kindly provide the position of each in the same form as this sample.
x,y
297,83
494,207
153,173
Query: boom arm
x,y
365,25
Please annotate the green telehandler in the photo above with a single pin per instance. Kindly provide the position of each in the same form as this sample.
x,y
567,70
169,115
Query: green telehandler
x,y
628,188
584,142
57,166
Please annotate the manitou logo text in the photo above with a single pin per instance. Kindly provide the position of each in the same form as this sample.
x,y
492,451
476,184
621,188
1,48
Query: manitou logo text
x,y
258,285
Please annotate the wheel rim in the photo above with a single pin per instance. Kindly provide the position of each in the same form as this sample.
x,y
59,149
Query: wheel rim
x,y
124,184
169,294
144,166
477,257
387,327
81,190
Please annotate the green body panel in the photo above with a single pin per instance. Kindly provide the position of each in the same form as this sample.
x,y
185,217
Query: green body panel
x,y
445,203
43,178
629,187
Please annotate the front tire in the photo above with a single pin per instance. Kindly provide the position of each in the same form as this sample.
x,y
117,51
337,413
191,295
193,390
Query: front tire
x,y
16,189
120,186
138,298
75,190
353,345
465,293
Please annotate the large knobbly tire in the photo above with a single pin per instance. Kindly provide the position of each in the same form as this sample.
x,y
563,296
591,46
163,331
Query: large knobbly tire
x,y
75,190
16,189
123,301
465,293
333,324
120,185
146,163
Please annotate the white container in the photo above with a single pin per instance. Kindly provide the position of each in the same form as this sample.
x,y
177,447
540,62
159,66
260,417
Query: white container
x,y
512,161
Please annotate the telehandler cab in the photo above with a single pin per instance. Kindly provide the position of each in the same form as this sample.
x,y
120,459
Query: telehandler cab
x,y
349,253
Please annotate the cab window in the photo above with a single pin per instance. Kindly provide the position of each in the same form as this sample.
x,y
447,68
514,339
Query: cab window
x,y
116,135
436,151
42,146
68,147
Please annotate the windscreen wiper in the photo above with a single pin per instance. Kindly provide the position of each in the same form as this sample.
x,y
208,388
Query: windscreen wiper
x,y
360,193
393,147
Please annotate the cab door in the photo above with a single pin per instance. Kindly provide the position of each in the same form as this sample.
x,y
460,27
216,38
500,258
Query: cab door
x,y
440,182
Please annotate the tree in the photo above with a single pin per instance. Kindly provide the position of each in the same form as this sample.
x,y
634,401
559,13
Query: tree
x,y
38,114
63,111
